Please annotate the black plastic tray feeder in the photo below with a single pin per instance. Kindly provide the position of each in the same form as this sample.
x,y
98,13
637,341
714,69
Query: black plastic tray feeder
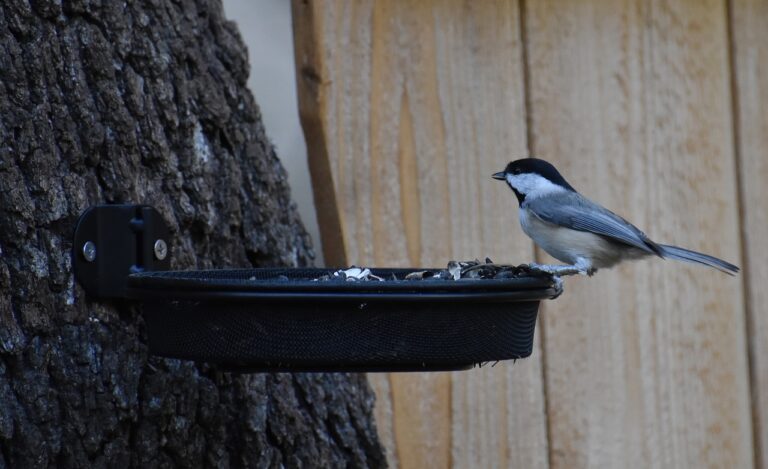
x,y
282,319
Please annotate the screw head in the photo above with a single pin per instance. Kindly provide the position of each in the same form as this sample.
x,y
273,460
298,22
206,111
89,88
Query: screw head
x,y
89,251
161,249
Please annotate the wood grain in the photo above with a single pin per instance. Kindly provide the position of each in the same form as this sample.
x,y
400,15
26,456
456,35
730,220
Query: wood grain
x,y
408,108
749,26
646,364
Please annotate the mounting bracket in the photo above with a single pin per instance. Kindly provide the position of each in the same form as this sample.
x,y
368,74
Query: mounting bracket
x,y
113,241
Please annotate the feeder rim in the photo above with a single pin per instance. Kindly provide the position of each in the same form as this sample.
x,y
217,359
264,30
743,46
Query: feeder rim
x,y
240,284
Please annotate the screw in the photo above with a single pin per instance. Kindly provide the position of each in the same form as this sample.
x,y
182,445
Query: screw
x,y
89,251
161,249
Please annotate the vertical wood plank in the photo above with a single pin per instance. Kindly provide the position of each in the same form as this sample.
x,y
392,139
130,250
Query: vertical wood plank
x,y
408,108
645,363
749,33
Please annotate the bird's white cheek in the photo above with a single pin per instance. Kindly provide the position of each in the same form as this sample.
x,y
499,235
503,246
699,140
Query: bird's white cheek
x,y
517,183
532,184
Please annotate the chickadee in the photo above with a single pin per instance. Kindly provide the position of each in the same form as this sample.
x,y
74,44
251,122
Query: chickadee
x,y
579,232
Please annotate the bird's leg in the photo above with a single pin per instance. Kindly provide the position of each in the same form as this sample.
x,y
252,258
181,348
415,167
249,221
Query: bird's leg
x,y
556,270
582,266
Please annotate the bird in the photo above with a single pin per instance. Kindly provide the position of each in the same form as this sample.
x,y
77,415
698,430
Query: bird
x,y
579,232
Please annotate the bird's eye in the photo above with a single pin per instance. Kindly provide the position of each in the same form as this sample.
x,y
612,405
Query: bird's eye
x,y
516,171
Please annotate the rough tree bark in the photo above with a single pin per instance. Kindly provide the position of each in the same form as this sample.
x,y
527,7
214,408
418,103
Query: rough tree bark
x,y
143,101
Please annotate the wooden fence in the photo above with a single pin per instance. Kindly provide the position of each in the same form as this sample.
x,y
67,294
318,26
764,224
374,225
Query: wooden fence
x,y
658,110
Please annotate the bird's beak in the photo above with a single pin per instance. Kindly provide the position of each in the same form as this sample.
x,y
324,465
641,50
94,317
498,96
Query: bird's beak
x,y
500,176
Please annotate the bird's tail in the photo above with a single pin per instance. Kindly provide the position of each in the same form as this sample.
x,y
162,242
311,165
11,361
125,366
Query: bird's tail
x,y
680,254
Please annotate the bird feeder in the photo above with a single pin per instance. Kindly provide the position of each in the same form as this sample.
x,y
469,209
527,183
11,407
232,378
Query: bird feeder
x,y
302,319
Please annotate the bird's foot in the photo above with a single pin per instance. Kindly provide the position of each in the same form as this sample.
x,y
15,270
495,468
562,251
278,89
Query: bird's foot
x,y
559,286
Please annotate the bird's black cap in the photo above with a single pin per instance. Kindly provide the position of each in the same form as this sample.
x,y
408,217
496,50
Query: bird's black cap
x,y
535,166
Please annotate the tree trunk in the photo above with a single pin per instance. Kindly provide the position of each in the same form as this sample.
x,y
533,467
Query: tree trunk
x,y
144,102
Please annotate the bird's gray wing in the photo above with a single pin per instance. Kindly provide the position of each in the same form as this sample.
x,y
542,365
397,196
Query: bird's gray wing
x,y
574,211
